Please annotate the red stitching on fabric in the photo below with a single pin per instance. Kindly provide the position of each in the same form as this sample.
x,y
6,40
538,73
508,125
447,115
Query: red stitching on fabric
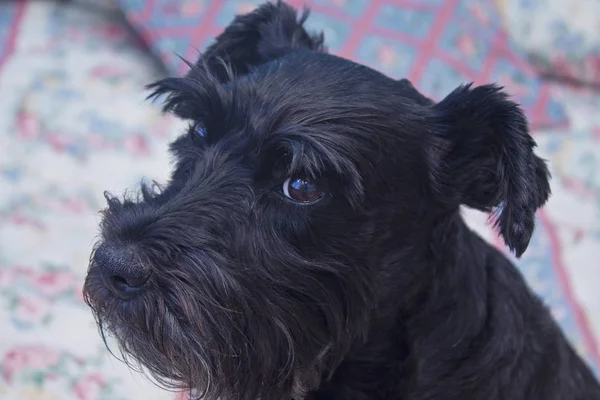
x,y
492,57
563,278
429,45
199,34
146,13
395,35
363,26
11,40
171,31
539,107
414,5
325,10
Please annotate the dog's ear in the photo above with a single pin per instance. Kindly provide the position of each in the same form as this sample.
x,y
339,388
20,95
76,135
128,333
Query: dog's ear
x,y
482,157
263,35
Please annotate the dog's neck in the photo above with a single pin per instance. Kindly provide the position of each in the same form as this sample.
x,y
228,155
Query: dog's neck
x,y
446,258
447,302
434,299
446,307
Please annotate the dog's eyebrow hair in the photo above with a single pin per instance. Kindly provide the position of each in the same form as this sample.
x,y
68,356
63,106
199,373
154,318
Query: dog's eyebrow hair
x,y
190,98
199,95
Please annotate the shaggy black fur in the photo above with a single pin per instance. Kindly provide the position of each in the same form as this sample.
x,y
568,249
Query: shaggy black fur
x,y
374,290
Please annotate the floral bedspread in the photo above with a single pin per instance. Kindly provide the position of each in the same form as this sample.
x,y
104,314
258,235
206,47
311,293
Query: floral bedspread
x,y
561,37
73,122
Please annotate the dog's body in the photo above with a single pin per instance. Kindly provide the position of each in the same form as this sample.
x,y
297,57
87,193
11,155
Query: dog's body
x,y
310,246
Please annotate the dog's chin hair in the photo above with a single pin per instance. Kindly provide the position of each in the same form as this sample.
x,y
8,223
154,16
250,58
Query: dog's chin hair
x,y
152,354
163,367
188,347
153,348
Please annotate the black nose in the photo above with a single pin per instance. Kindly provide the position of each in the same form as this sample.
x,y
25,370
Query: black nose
x,y
121,271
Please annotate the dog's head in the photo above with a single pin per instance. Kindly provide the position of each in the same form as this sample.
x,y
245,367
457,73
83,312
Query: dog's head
x,y
256,269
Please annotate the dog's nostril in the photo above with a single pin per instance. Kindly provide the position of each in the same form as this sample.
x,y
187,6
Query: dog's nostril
x,y
119,280
121,271
126,285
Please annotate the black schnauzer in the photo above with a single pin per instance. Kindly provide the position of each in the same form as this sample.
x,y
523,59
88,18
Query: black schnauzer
x,y
309,244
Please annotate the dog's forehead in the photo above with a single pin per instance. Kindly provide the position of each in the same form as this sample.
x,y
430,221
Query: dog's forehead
x,y
305,89
306,85
321,73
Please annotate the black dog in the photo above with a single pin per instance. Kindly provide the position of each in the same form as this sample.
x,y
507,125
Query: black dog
x,y
309,244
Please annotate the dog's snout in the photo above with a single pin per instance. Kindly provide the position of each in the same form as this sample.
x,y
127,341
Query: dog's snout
x,y
121,271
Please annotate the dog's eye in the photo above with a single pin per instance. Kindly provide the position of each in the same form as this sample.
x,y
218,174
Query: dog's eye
x,y
301,190
199,130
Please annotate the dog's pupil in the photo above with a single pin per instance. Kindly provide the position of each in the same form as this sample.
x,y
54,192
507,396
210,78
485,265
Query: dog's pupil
x,y
303,190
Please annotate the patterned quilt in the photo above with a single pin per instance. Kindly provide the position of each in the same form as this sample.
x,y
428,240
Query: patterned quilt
x,y
73,122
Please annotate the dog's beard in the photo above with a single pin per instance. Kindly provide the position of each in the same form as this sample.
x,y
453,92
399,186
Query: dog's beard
x,y
224,337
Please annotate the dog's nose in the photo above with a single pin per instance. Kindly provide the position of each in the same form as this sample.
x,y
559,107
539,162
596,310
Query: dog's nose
x,y
121,271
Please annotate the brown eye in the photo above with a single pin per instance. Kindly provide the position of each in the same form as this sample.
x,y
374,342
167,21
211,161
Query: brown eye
x,y
301,190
